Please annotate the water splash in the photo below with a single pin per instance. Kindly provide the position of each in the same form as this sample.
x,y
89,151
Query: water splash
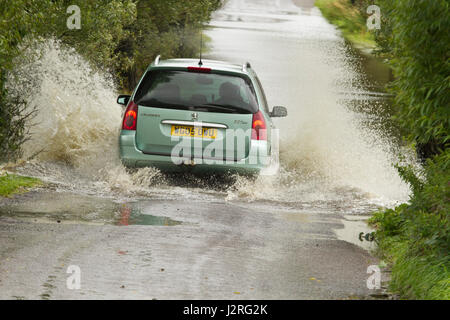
x,y
75,132
326,152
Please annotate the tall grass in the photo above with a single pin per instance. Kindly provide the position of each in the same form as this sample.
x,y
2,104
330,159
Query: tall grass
x,y
349,19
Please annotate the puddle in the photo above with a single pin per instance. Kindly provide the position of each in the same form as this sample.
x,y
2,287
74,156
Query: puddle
x,y
69,208
130,216
356,231
296,217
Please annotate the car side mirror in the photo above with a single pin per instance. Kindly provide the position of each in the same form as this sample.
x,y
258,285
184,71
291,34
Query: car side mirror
x,y
123,99
278,112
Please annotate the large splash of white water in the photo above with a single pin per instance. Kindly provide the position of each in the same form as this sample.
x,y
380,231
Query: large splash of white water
x,y
324,149
75,131
77,118
327,149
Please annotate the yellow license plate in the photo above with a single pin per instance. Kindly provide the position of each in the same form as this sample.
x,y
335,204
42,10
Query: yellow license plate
x,y
195,132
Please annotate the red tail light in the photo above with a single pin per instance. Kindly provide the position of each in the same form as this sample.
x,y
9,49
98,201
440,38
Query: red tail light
x,y
199,69
130,117
259,130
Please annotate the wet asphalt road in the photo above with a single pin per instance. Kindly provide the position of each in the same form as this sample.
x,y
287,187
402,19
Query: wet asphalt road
x,y
175,250
200,247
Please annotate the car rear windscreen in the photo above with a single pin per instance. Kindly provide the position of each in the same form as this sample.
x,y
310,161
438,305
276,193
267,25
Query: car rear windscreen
x,y
212,92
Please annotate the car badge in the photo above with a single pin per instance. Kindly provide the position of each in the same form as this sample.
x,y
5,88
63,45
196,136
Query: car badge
x,y
194,116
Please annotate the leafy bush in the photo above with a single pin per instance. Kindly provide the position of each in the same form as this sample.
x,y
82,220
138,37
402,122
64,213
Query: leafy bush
x,y
18,19
120,36
170,28
415,237
349,18
103,26
415,34
14,116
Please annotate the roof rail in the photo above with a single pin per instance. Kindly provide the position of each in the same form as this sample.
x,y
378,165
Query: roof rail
x,y
246,66
157,60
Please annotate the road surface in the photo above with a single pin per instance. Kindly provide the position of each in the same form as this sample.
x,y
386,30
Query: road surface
x,y
289,236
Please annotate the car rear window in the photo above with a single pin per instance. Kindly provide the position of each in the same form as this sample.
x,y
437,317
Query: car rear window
x,y
211,92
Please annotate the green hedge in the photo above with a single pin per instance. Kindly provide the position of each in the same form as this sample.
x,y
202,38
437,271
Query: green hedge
x,y
350,19
415,237
120,36
415,35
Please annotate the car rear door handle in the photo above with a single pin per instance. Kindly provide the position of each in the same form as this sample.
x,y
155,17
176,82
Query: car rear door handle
x,y
195,124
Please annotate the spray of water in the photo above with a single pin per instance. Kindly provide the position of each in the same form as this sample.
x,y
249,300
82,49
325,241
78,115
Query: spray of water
x,y
325,153
75,131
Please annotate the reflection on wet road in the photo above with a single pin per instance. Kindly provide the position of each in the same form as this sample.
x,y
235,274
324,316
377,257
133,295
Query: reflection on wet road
x,y
293,235
207,250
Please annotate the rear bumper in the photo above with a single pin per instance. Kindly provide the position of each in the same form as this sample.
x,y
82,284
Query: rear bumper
x,y
133,158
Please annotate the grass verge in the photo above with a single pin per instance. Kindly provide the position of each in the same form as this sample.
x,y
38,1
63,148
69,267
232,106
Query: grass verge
x,y
11,184
414,238
349,20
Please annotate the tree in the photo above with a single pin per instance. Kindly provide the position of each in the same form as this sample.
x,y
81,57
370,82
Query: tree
x,y
170,28
416,36
120,36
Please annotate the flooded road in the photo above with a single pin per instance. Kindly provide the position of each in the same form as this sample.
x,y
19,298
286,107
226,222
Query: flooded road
x,y
148,235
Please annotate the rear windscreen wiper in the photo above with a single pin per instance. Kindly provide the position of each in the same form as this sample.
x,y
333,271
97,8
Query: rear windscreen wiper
x,y
229,108
164,105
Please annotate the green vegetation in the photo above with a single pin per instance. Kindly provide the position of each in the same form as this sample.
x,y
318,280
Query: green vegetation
x,y
11,184
415,237
414,37
119,36
350,19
